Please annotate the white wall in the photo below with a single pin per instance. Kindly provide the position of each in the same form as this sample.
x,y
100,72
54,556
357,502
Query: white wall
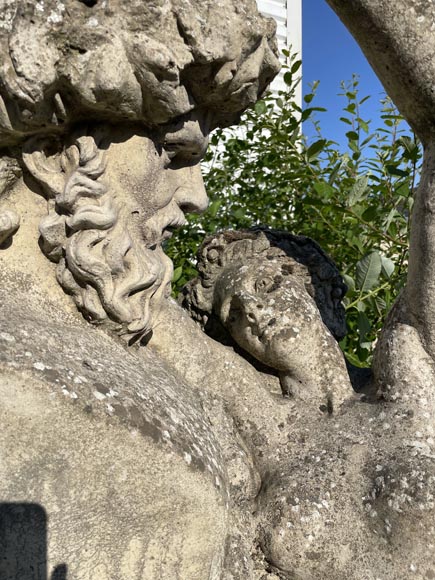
x,y
288,16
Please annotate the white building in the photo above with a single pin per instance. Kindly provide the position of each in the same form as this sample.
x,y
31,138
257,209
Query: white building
x,y
288,16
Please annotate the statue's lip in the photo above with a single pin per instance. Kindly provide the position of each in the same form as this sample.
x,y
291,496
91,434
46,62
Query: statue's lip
x,y
167,234
172,226
263,335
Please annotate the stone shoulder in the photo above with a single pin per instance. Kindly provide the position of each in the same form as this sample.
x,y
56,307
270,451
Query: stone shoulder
x,y
100,377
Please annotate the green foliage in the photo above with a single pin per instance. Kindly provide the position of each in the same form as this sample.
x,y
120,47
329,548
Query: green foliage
x,y
356,203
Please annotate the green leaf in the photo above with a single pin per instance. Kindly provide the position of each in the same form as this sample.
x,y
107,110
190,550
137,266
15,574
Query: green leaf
x,y
308,98
296,66
410,203
364,327
387,266
403,190
213,208
260,107
177,274
368,271
390,218
392,230
353,359
355,241
354,146
358,190
364,126
352,135
393,170
239,213
370,213
314,149
323,188
380,304
350,282
288,78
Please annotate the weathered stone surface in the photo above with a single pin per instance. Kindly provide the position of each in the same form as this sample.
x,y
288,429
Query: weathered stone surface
x,y
149,62
279,298
153,450
105,108
347,495
127,470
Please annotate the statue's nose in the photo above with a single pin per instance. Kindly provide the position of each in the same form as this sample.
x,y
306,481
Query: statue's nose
x,y
252,316
253,312
190,194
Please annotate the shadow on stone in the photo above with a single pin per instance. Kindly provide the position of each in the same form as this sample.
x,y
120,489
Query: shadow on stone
x,y
23,543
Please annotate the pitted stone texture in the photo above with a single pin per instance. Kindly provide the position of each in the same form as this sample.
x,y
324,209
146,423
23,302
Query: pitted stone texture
x,y
105,110
115,449
342,496
137,61
279,298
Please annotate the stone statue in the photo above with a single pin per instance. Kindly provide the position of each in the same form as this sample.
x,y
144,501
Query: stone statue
x,y
346,480
132,444
279,297
105,108
111,68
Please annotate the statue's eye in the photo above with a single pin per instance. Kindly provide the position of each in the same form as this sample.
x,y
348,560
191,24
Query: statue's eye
x,y
213,255
263,284
182,152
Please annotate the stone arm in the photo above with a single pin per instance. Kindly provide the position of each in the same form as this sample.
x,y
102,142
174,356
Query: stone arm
x,y
398,39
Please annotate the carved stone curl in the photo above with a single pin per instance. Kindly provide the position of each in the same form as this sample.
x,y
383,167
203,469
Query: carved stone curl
x,y
99,63
138,61
9,224
111,275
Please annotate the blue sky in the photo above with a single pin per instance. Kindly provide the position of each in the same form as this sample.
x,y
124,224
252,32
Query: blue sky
x,y
330,55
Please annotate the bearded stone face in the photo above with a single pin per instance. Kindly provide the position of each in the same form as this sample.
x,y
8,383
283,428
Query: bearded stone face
x,y
115,195
149,80
161,176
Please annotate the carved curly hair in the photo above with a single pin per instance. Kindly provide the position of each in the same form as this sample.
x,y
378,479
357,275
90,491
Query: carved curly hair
x,y
136,61
304,257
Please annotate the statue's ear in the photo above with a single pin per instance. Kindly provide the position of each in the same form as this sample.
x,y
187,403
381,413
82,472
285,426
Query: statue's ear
x,y
43,158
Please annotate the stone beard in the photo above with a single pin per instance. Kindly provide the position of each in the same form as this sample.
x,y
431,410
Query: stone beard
x,y
103,263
